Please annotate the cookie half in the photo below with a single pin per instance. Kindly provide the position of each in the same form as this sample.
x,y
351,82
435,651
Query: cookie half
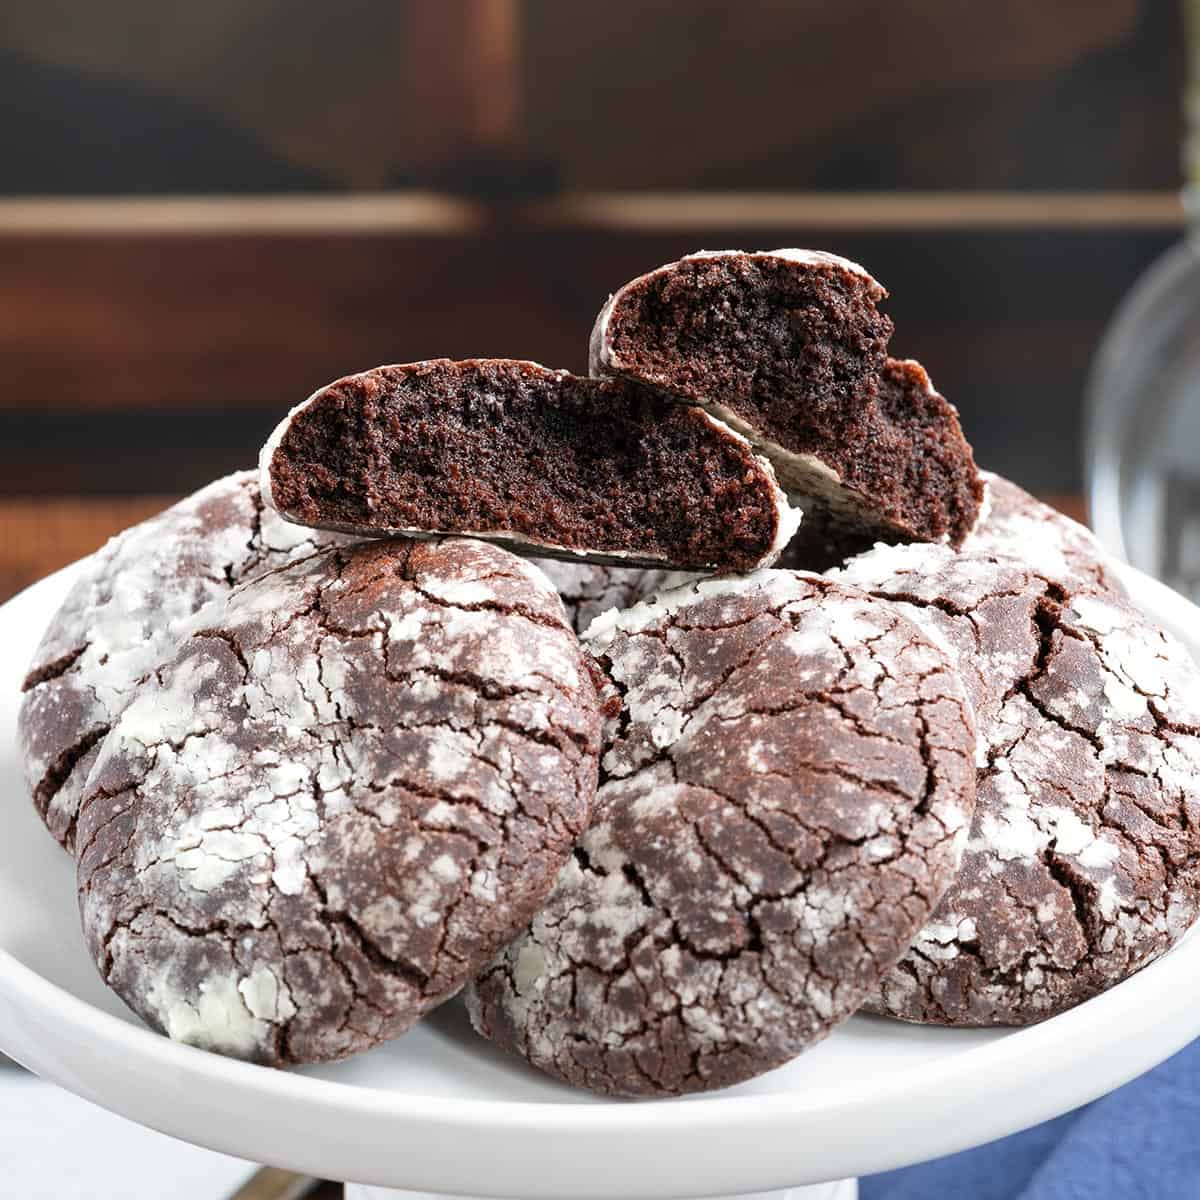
x,y
784,799
540,460
338,800
1084,858
789,347
126,612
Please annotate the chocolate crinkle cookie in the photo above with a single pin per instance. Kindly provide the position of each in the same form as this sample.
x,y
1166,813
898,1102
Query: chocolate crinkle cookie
x,y
1083,859
785,795
539,460
338,799
789,347
126,612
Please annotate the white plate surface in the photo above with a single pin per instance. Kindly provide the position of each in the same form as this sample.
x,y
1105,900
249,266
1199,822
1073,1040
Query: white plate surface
x,y
439,1110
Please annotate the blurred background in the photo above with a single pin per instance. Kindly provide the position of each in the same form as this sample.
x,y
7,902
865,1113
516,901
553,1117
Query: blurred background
x,y
209,210
206,211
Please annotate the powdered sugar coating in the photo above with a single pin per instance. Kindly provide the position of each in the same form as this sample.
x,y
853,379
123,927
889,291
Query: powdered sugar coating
x,y
785,795
796,254
1015,524
1082,864
342,795
587,589
132,602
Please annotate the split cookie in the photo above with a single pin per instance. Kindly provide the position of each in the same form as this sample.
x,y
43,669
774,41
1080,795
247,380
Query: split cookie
x,y
789,347
539,460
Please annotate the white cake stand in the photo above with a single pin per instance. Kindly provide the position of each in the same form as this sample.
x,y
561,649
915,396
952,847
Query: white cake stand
x,y
440,1111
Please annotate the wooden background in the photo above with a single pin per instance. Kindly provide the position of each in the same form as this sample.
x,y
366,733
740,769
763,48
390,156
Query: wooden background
x,y
1006,170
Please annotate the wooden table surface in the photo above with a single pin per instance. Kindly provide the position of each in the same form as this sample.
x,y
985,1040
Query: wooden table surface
x,y
37,536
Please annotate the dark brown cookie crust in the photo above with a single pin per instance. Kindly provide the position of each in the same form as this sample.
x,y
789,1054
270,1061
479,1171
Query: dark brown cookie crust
x,y
790,347
784,798
338,799
1084,858
540,460
125,614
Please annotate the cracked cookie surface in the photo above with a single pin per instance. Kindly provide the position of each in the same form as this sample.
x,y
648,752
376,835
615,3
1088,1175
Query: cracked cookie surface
x,y
339,799
784,797
125,614
1084,858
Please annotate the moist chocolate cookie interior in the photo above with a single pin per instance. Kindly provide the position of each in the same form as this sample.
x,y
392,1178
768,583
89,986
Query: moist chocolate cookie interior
x,y
916,465
798,356
790,350
914,472
499,446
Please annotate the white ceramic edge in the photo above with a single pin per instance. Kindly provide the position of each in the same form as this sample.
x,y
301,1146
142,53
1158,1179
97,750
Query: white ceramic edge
x,y
716,1146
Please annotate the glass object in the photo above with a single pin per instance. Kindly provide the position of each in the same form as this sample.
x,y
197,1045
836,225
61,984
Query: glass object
x,y
1143,436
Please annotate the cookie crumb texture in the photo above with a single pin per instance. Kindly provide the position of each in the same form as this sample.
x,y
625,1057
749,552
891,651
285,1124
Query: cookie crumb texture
x,y
784,798
1083,859
337,802
790,348
539,459
123,617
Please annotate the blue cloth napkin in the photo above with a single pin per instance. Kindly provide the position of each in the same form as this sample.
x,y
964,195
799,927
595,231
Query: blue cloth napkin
x,y
1142,1142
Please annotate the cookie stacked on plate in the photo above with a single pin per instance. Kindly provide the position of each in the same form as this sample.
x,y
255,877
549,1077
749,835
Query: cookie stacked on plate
x,y
794,713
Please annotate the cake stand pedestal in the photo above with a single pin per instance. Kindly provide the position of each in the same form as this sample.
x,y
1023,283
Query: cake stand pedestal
x,y
844,1189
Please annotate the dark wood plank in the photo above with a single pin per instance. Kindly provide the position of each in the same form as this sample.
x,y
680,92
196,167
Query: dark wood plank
x,y
861,94
41,535
141,363
462,63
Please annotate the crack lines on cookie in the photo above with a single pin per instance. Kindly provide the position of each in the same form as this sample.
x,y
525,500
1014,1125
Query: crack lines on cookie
x,y
62,769
234,645
511,609
54,669
662,928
